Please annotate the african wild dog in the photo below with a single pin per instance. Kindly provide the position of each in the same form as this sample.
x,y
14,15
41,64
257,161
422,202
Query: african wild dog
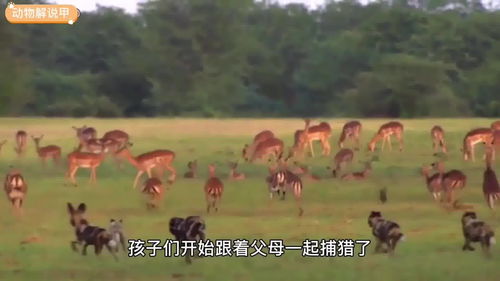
x,y
117,236
385,231
87,234
475,230
191,228
284,180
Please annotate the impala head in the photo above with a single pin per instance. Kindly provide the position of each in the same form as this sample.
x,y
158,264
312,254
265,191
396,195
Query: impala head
x,y
76,215
373,217
371,146
233,165
37,139
211,169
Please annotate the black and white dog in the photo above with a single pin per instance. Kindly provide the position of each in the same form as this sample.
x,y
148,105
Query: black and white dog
x,y
191,228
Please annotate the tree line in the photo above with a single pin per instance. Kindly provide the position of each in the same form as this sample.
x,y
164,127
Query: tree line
x,y
223,58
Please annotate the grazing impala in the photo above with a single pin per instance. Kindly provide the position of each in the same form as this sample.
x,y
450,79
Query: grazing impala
x,y
21,142
77,159
473,137
451,181
341,159
491,188
213,189
117,135
385,132
145,162
85,133
248,150
46,152
305,138
437,135
351,130
15,188
272,146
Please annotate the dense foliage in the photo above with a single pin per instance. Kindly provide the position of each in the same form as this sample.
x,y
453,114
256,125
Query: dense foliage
x,y
246,58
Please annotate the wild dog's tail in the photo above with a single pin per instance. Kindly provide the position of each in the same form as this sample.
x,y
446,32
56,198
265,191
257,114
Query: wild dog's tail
x,y
401,237
490,238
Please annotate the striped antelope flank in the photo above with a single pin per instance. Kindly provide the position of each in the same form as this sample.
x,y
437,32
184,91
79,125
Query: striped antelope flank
x,y
495,126
473,137
15,188
118,135
475,230
248,150
153,188
2,144
233,174
213,188
386,232
385,132
284,180
46,152
85,160
145,162
305,138
272,146
350,131
341,159
117,237
84,134
87,234
491,188
437,135
191,228
21,142
359,175
434,184
451,181
193,167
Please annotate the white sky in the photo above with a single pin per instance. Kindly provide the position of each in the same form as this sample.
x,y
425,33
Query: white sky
x,y
131,5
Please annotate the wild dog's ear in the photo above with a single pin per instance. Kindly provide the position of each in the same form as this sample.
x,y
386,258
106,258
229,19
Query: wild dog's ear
x,y
470,214
120,221
112,220
82,207
71,210
375,214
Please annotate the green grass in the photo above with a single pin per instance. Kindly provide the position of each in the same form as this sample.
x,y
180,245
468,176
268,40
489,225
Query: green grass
x,y
333,209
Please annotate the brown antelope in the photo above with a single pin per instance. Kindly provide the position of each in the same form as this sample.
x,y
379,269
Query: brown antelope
x,y
341,159
15,188
437,135
21,142
248,150
117,135
145,162
385,132
473,137
359,175
495,126
451,181
434,184
46,152
84,134
85,160
305,138
213,189
193,167
153,187
351,130
491,188
233,174
272,146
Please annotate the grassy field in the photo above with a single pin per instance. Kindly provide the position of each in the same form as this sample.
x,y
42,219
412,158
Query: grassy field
x,y
333,209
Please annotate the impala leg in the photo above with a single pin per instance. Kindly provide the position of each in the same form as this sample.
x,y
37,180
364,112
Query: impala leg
x,y
139,173
311,147
389,143
400,140
173,172
472,153
72,176
383,143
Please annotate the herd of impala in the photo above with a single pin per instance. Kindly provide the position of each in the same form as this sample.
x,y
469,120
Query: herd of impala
x,y
91,151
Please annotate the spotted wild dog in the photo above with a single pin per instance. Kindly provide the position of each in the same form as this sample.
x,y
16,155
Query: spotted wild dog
x,y
386,232
359,175
233,174
474,137
117,237
341,159
21,142
351,130
193,168
284,180
153,188
491,188
214,189
87,234
47,152
248,150
438,141
433,182
475,230
191,228
385,132
15,188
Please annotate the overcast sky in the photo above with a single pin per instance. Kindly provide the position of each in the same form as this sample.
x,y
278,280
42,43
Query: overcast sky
x,y
131,5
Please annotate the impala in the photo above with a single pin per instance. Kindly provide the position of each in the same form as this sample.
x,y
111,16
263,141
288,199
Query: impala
x,y
437,135
233,174
248,150
21,142
434,182
385,132
359,175
341,159
213,189
2,144
46,152
85,133
305,138
153,187
145,162
85,160
352,131
495,125
117,135
451,181
272,146
15,188
473,137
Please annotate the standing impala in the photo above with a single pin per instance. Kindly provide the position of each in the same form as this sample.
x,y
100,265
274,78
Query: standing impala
x,y
46,152
385,132
213,189
84,134
437,135
272,146
145,162
118,135
21,142
85,160
305,138
248,150
473,137
351,130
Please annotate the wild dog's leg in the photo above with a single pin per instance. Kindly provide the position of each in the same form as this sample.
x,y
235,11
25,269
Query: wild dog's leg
x,y
122,241
467,245
378,245
139,174
73,245
84,250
